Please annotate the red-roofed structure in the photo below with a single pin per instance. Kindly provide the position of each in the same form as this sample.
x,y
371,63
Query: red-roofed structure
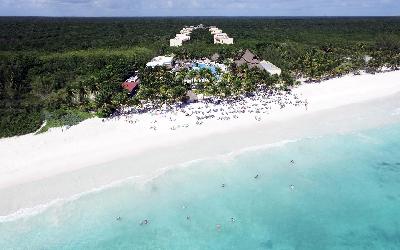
x,y
131,84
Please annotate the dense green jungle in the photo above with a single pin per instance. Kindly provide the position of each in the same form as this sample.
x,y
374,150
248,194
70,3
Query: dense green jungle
x,y
65,70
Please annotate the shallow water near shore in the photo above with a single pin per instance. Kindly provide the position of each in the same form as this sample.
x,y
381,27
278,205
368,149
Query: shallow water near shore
x,y
342,192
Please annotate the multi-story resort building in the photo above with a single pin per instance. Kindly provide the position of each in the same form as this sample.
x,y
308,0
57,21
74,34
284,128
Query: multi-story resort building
x,y
184,35
219,36
222,38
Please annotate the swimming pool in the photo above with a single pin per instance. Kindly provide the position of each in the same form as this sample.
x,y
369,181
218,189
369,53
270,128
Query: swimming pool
x,y
205,66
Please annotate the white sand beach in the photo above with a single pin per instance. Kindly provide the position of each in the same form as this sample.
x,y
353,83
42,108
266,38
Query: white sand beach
x,y
36,169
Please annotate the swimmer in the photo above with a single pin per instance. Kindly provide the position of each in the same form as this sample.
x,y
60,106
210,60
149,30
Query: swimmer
x,y
187,217
292,161
223,185
255,177
144,222
233,220
218,227
118,218
292,187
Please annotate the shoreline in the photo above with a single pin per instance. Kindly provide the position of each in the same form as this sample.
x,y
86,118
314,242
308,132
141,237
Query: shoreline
x,y
63,164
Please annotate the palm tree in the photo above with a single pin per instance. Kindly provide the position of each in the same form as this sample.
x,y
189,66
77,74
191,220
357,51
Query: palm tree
x,y
192,74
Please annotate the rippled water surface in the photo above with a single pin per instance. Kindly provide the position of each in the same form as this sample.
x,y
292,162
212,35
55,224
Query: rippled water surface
x,y
342,192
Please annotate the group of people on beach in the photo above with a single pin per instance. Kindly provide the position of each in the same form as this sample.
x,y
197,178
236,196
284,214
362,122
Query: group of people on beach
x,y
259,105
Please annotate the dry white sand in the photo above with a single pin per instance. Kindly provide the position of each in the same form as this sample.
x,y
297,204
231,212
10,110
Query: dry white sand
x,y
59,163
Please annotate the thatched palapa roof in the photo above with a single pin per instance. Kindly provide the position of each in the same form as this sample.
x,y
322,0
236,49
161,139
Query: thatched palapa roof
x,y
250,59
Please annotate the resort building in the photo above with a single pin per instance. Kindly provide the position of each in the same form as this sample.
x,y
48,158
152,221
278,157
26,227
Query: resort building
x,y
222,38
162,61
269,67
219,36
215,30
131,84
183,36
175,42
252,61
187,30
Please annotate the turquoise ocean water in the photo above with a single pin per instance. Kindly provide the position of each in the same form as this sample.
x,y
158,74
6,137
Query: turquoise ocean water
x,y
342,192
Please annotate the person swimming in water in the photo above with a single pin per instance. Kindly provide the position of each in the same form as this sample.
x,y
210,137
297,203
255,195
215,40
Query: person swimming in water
x,y
223,185
292,161
144,222
256,177
233,220
118,218
218,227
292,187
